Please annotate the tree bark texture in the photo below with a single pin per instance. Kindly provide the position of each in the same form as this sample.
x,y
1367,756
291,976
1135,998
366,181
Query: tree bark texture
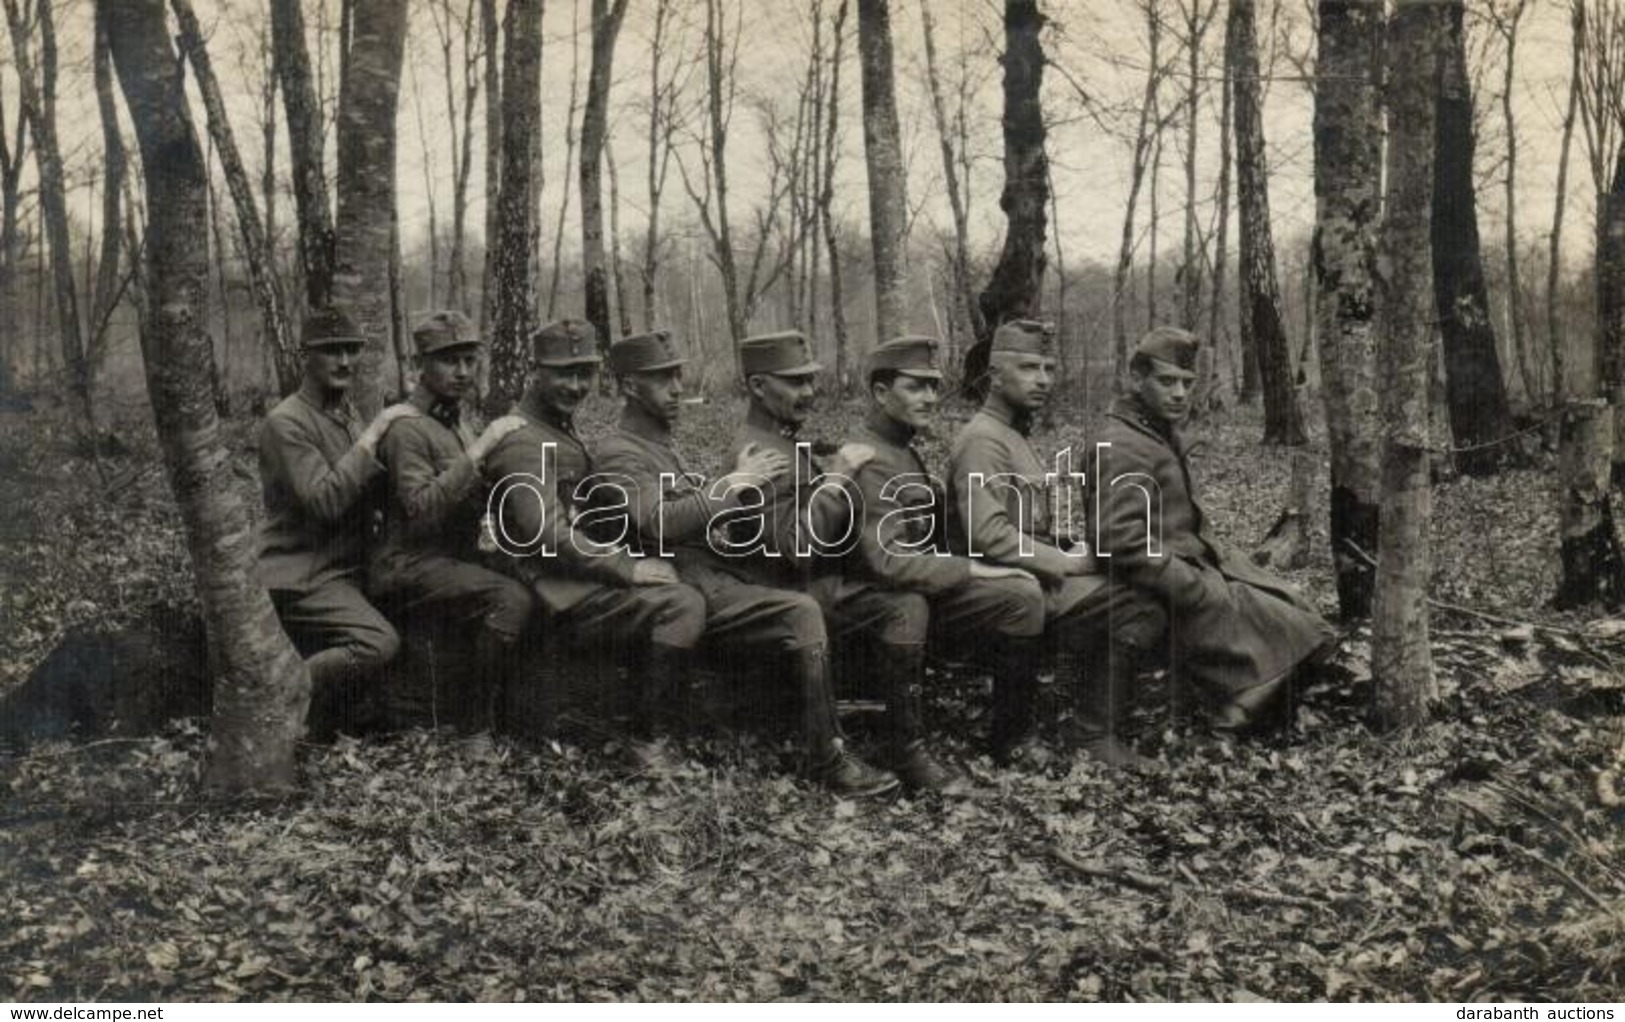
x,y
1593,565
1141,157
1348,209
261,686
279,333
606,28
888,178
492,37
366,186
35,96
513,305
1556,337
1401,661
1474,386
1261,327
305,135
964,293
115,164
826,203
1016,288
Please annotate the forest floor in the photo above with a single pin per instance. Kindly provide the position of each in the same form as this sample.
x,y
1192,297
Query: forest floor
x,y
1471,858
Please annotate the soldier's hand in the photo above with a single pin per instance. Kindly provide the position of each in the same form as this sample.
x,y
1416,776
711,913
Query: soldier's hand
x,y
653,572
374,433
757,464
850,458
982,569
1081,561
493,434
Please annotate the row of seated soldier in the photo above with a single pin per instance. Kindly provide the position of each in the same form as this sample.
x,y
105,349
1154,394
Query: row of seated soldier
x,y
981,562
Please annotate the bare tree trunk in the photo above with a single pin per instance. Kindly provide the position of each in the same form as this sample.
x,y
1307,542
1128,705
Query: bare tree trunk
x,y
261,686
279,332
1556,336
513,303
569,159
1218,322
826,204
305,145
1137,168
366,185
1476,390
607,16
1197,21
13,156
1016,289
37,97
1261,328
115,161
494,112
462,134
1401,661
617,270
1515,314
964,293
1348,190
883,154
662,127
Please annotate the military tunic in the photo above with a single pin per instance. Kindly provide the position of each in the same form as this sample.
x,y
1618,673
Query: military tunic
x,y
586,588
1008,517
904,544
852,601
425,562
1232,624
319,491
676,518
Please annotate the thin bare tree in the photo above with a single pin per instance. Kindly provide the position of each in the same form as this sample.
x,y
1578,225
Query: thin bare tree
x,y
305,144
607,16
888,177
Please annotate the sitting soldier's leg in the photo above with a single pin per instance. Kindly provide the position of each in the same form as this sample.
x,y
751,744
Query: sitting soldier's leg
x,y
1114,631
740,614
347,640
666,621
1010,612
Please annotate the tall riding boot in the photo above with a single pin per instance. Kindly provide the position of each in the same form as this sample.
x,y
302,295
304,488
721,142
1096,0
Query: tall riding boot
x,y
902,670
655,716
828,761
1104,697
1015,690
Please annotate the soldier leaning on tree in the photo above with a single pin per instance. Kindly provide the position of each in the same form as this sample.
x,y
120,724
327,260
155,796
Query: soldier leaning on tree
x,y
319,478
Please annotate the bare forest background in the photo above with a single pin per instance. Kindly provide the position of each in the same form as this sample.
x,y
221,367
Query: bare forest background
x,y
732,143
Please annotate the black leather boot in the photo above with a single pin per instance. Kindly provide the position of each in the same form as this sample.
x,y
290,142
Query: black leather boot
x,y
902,670
1015,690
655,716
1104,697
829,764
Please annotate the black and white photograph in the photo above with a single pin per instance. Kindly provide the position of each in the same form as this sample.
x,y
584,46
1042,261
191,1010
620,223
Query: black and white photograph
x,y
692,501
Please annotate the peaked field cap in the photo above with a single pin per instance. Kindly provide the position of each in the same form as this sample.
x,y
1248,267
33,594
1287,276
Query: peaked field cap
x,y
912,356
1170,344
780,354
645,353
329,326
446,328
1024,337
565,342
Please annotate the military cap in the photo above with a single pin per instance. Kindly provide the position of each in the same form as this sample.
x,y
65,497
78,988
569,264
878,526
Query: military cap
x,y
645,353
913,356
1024,337
1170,344
565,342
781,354
447,328
329,326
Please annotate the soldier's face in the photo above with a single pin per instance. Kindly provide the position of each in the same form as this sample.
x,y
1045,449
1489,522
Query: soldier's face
x,y
1165,390
449,373
1023,381
659,393
561,389
332,366
787,398
909,400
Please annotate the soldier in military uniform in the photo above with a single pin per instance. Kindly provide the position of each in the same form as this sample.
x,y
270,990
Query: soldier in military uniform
x,y
594,594
671,511
904,545
426,562
318,473
1000,498
1232,627
808,531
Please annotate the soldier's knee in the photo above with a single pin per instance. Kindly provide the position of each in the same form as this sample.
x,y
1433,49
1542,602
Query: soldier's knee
x,y
375,644
905,620
804,621
1020,608
679,614
511,605
1139,622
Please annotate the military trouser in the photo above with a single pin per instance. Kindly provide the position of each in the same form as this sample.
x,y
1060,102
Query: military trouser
x,y
622,617
336,629
1086,611
740,613
454,592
